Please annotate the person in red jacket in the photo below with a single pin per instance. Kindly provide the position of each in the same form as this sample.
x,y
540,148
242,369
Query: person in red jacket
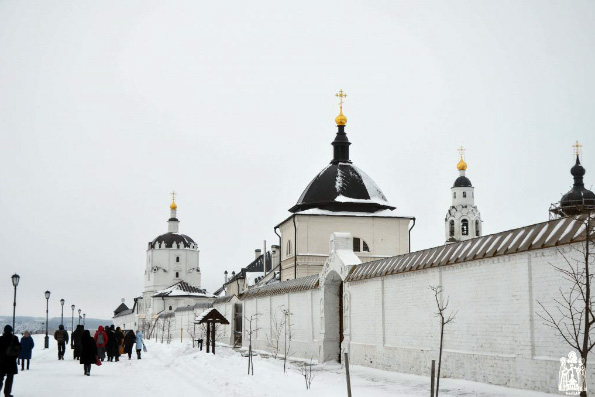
x,y
101,341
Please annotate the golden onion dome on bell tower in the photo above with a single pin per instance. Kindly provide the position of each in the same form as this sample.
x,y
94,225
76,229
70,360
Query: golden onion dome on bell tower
x,y
461,165
341,119
173,204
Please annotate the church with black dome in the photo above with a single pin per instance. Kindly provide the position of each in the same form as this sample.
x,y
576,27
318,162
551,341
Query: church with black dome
x,y
340,198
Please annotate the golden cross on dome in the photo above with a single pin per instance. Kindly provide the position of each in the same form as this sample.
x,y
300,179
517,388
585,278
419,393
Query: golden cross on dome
x,y
461,151
577,148
341,95
173,196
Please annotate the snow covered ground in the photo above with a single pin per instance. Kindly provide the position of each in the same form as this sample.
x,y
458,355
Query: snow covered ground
x,y
178,369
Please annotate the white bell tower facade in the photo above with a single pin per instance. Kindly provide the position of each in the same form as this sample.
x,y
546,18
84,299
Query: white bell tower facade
x,y
463,220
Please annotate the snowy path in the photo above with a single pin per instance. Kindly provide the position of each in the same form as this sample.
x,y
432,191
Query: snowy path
x,y
179,370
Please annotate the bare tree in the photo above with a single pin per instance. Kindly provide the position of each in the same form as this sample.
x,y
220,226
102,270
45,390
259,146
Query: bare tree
x,y
273,339
305,369
250,331
573,318
445,318
288,336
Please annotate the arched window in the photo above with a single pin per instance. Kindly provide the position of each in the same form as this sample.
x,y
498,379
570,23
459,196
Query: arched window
x,y
288,251
451,228
477,228
465,227
454,194
170,308
365,246
177,258
177,274
464,194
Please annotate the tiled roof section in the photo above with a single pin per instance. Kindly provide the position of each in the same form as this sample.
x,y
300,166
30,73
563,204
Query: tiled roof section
x,y
123,313
296,285
181,286
223,299
542,235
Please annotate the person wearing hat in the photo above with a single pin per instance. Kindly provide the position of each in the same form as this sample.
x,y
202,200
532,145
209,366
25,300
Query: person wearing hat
x,y
9,352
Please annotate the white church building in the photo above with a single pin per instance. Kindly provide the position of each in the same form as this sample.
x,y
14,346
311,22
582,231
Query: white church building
x,y
171,282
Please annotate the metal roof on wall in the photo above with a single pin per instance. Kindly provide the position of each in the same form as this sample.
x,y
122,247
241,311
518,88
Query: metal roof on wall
x,y
542,235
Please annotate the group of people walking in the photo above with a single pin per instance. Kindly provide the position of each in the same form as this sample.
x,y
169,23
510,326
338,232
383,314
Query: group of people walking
x,y
107,342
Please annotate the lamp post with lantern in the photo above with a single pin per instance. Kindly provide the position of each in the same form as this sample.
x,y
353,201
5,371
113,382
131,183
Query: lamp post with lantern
x,y
79,316
72,320
47,308
15,281
62,315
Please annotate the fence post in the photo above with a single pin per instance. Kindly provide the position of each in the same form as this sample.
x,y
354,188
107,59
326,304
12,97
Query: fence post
x,y
347,374
433,377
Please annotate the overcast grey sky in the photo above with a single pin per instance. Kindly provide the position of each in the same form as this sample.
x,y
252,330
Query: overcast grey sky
x,y
106,106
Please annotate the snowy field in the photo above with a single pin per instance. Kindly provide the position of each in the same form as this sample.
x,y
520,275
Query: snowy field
x,y
180,370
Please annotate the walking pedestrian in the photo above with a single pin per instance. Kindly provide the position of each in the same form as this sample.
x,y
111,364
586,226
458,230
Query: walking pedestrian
x,y
27,346
119,342
140,343
9,351
111,343
61,336
88,352
101,341
77,341
129,341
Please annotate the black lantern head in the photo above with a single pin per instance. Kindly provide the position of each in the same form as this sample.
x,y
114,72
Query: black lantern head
x,y
15,279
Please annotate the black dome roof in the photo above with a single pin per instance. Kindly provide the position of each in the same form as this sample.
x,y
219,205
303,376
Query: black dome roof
x,y
342,187
577,198
170,238
462,181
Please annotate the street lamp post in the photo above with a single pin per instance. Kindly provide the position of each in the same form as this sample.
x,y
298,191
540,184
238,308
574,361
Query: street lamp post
x,y
62,315
72,320
47,306
84,316
79,316
15,281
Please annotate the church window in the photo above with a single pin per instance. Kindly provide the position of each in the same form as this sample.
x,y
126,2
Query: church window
x,y
365,247
177,258
177,274
477,228
464,194
451,228
454,194
288,250
170,308
356,244
465,227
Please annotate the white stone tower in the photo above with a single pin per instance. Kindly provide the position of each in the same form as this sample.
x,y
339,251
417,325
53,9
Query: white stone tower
x,y
463,221
172,257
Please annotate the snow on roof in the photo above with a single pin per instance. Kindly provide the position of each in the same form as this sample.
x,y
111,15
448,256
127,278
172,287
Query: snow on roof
x,y
380,214
182,289
203,315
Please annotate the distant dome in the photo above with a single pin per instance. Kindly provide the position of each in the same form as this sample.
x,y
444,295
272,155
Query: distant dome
x,y
170,238
462,181
577,198
342,187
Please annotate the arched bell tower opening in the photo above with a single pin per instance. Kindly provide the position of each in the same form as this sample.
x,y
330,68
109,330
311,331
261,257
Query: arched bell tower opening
x,y
333,317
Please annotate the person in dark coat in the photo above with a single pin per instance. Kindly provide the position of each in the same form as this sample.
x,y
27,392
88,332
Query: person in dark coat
x,y
119,342
8,364
77,341
129,341
88,352
27,346
61,336
111,343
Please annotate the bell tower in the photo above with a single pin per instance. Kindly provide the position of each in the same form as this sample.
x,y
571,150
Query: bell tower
x,y
463,220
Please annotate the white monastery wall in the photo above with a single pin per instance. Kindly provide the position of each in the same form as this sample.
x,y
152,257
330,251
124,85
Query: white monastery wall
x,y
304,324
497,337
